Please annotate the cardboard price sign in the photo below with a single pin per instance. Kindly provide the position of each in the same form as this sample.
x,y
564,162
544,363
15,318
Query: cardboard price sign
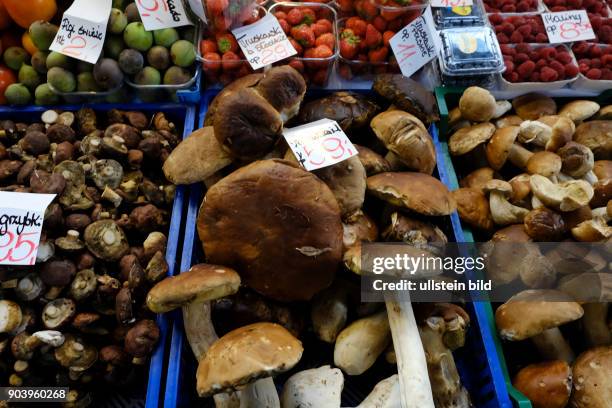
x,y
21,220
158,14
451,3
568,26
319,144
415,45
264,42
82,30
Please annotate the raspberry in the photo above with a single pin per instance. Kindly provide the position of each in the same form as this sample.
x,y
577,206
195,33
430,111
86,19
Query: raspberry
x,y
507,50
534,77
518,21
583,68
524,29
541,38
522,7
514,77
496,19
509,66
509,8
606,60
595,51
507,28
571,71
560,48
594,73
595,63
548,53
522,47
520,58
541,64
558,8
575,4
503,38
516,37
584,61
533,55
557,66
606,74
581,48
596,22
548,74
564,57
525,69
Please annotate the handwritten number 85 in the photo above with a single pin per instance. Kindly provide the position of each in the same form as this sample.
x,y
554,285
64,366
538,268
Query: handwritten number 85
x,y
569,30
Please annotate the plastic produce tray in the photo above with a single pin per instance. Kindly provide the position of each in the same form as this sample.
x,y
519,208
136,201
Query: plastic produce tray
x,y
184,118
477,362
450,97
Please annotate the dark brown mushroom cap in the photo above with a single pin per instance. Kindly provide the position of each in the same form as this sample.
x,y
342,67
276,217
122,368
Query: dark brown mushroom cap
x,y
284,88
347,180
58,272
142,338
532,312
591,374
351,111
373,162
201,283
114,355
544,163
477,104
546,384
532,106
468,138
277,225
597,136
407,95
417,192
246,125
473,208
75,354
245,355
240,83
577,159
358,227
602,193
106,240
544,225
498,148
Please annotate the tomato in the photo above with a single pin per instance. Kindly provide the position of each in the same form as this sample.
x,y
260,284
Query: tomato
x,y
7,77
25,12
5,19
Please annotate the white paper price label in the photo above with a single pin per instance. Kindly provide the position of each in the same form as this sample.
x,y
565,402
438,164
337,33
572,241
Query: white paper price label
x,y
451,3
319,144
264,42
568,26
158,14
21,221
82,30
415,45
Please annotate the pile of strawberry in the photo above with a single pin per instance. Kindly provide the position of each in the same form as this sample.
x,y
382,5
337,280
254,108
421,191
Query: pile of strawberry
x,y
525,63
510,6
387,10
602,28
518,29
593,7
363,41
225,14
594,60
311,32
223,59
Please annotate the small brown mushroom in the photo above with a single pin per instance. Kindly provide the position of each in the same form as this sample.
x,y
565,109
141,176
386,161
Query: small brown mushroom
x,y
579,110
58,272
591,373
58,313
106,240
372,161
473,208
141,339
547,385
478,178
10,316
544,225
477,104
532,106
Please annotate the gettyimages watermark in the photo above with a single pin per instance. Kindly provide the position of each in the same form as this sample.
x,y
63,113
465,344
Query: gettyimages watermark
x,y
491,271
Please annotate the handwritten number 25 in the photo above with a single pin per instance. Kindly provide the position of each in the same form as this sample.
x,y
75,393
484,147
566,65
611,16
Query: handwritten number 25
x,y
21,241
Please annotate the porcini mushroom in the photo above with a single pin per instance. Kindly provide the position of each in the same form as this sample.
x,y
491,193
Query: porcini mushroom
x,y
473,208
547,385
478,178
565,196
502,147
591,374
386,394
352,111
10,316
532,106
373,162
577,160
318,387
477,104
597,136
329,312
579,110
502,211
467,139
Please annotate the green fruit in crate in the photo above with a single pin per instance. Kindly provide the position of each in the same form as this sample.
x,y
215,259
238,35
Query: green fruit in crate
x,y
113,45
17,94
39,61
87,83
29,77
183,53
43,95
132,14
166,37
158,57
148,76
117,21
176,76
107,74
55,59
15,57
137,37
61,79
130,61
42,34
84,66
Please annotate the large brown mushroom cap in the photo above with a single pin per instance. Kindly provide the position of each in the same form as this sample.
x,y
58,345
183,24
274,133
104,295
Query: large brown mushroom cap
x,y
246,354
406,136
532,312
473,208
201,283
597,136
418,192
468,138
277,225
531,106
240,83
498,148
544,163
347,180
408,95
547,385
477,104
478,178
579,110
284,88
603,169
372,162
352,111
592,373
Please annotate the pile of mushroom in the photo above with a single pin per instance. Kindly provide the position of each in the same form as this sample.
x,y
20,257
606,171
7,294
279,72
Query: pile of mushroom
x,y
538,171
282,249
77,318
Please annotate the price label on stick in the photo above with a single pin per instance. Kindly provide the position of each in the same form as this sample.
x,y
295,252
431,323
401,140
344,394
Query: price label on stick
x,y
451,3
21,220
158,14
83,29
568,26
319,144
415,45
264,42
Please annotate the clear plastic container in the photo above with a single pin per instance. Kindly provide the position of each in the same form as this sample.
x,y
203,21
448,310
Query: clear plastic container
x,y
316,71
225,15
449,17
582,82
470,51
118,94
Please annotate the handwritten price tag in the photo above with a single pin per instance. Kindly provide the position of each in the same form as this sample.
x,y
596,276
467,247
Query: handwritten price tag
x,y
451,3
158,14
568,26
319,144
21,220
415,45
83,29
264,42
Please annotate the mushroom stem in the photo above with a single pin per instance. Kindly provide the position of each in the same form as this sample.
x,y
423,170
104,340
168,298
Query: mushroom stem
x,y
386,394
415,388
552,345
260,394
595,324
519,156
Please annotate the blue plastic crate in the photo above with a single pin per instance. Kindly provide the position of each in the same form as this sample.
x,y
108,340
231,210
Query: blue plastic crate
x,y
183,117
477,362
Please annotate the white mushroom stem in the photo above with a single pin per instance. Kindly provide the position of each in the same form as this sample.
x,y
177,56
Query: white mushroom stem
x,y
595,324
317,388
415,388
552,346
386,394
503,212
532,131
519,156
260,394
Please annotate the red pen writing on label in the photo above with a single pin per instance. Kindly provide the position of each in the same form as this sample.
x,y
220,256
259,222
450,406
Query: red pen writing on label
x,y
570,31
17,247
77,43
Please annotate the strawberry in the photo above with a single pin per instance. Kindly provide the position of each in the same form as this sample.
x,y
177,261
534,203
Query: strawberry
x,y
345,5
284,25
378,54
297,65
373,37
296,45
322,51
304,35
380,23
212,62
226,42
349,45
326,39
318,29
207,46
216,7
280,15
327,24
230,61
295,16
320,77
387,35
357,25
222,23
309,16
